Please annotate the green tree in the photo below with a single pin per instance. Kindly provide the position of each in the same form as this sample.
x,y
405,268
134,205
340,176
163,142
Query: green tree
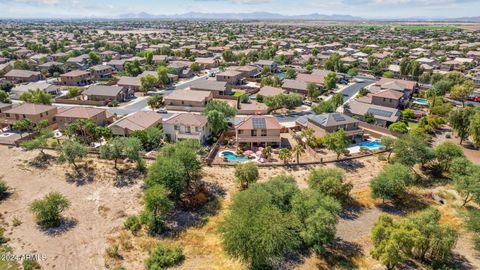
x,y
408,114
133,69
22,125
148,83
155,101
71,151
47,210
73,92
151,138
312,91
474,129
446,152
466,178
337,142
157,205
285,154
330,81
39,142
331,182
399,127
318,215
462,91
162,73
217,121
195,67
131,148
297,151
169,173
149,58
246,174
460,122
388,143
392,182
36,96
256,230
290,73
93,58
4,97
113,150
337,100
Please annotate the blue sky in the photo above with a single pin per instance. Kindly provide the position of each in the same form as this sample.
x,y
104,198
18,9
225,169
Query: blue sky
x,y
364,8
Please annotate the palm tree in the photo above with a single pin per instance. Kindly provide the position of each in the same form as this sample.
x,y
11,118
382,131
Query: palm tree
x,y
285,154
297,151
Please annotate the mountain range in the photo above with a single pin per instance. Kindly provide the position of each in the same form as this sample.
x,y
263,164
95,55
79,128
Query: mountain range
x,y
276,16
240,16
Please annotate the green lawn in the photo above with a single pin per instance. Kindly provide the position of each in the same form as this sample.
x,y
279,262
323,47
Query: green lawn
x,y
412,125
238,93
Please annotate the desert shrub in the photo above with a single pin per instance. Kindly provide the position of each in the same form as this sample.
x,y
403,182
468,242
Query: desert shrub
x,y
163,257
133,224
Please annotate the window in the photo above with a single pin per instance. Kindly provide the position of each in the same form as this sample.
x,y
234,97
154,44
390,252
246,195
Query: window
x,y
264,132
240,132
197,129
176,127
253,132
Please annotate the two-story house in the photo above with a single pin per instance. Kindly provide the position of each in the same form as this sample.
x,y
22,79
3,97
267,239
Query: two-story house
x,y
258,130
187,126
326,123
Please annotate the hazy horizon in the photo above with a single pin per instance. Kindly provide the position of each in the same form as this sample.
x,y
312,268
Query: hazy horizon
x,y
384,9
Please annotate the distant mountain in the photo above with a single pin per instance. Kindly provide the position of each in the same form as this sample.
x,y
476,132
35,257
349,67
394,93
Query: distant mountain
x,y
240,16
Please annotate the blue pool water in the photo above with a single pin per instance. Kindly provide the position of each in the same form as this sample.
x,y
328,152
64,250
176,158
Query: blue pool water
x,y
233,157
422,101
372,145
281,76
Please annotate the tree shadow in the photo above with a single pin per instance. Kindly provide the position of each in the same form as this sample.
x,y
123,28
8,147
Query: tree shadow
x,y
83,175
188,214
127,177
458,261
340,254
351,210
66,224
351,165
41,161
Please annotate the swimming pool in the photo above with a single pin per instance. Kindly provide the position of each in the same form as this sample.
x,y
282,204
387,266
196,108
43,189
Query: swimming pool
x,y
421,101
231,156
372,145
281,76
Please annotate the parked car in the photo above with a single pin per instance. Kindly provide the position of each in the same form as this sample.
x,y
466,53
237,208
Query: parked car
x,y
162,110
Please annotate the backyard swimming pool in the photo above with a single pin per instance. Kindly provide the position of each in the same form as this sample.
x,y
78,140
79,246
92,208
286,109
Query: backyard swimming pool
x,y
231,156
372,145
421,101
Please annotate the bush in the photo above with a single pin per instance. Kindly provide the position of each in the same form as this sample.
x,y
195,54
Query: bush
x,y
47,210
3,189
113,252
133,224
163,257
30,265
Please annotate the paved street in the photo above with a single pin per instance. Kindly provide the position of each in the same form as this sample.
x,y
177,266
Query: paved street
x,y
141,104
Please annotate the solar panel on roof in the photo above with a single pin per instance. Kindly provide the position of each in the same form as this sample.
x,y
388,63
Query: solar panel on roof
x,y
379,112
258,123
338,117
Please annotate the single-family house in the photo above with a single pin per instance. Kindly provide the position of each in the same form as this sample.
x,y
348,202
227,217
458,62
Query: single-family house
x,y
33,112
258,130
137,121
326,123
22,76
189,100
230,76
216,87
105,93
66,116
187,126
76,78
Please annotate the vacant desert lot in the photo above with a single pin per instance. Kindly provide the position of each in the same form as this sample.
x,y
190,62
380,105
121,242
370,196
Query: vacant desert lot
x,y
96,209
99,208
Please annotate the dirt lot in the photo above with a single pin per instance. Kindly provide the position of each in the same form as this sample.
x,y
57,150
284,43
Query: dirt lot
x,y
99,208
96,209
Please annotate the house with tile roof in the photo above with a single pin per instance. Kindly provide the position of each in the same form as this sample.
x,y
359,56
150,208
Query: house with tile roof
x,y
187,126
